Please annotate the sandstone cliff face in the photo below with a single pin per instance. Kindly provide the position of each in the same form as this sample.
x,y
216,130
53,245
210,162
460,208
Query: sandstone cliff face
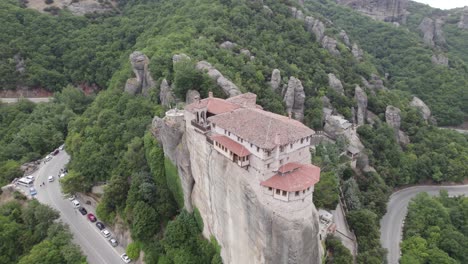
x,y
236,212
294,98
275,79
361,99
384,10
143,81
440,59
335,83
393,118
422,107
433,34
463,24
166,96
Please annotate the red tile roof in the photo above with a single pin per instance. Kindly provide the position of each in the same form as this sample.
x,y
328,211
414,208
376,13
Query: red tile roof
x,y
214,105
260,127
289,167
297,179
230,144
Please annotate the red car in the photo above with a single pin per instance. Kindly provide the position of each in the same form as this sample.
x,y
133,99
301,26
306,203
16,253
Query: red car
x,y
55,152
91,217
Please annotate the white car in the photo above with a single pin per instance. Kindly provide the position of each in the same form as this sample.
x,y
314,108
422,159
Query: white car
x,y
62,147
51,178
71,197
30,177
47,158
62,175
125,258
75,203
106,233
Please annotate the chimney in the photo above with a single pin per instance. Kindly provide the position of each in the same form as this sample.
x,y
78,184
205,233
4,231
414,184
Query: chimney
x,y
210,94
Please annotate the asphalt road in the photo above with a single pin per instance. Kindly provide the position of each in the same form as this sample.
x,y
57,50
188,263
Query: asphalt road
x,y
391,225
95,246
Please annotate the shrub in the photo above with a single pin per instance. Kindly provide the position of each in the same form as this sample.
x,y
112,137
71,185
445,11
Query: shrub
x,y
133,250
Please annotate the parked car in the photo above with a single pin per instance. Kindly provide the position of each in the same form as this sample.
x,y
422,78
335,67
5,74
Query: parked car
x,y
71,197
62,147
30,177
61,175
47,158
113,242
105,233
50,178
125,258
55,152
32,191
92,218
75,203
82,210
100,225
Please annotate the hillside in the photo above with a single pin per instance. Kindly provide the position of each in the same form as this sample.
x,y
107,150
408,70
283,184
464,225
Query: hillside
x,y
351,67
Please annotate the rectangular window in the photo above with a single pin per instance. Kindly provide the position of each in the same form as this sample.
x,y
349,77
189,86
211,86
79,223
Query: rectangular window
x,y
308,189
268,165
291,145
229,133
258,149
281,161
214,125
278,191
242,141
302,140
281,149
251,145
268,153
297,193
303,191
270,189
284,193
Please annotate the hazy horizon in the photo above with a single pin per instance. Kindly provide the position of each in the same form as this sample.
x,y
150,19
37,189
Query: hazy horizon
x,y
444,4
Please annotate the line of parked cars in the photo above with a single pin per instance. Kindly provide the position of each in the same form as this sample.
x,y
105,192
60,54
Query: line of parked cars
x,y
102,228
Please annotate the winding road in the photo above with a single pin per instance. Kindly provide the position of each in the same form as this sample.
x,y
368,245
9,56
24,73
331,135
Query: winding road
x,y
97,248
391,225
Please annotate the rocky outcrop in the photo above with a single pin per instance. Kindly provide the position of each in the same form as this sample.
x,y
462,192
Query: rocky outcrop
x,y
393,118
361,99
297,13
229,88
422,107
179,57
344,37
166,96
374,83
335,83
143,81
463,24
329,43
87,7
440,59
267,10
294,98
433,34
336,126
275,79
357,52
383,10
192,96
234,210
20,65
170,131
228,45
315,27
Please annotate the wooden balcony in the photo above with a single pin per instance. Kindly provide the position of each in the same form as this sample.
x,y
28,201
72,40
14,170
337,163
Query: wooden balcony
x,y
204,128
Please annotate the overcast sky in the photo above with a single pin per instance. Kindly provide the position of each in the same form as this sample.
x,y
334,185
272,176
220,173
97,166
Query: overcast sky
x,y
444,4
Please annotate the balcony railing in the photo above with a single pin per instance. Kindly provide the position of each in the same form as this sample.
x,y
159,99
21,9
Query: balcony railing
x,y
203,127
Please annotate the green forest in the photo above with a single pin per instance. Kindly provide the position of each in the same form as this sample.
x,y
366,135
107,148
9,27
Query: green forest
x,y
436,230
29,233
108,135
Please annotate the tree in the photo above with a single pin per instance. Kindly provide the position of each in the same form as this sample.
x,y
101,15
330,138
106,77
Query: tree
x,y
145,222
326,191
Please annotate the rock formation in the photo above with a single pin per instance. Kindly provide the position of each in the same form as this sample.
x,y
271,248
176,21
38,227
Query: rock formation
x,y
192,96
294,98
87,7
433,34
463,24
336,126
335,83
232,205
440,59
329,43
229,88
166,96
170,131
393,118
20,65
267,10
422,107
361,99
357,52
179,57
143,81
344,37
383,10
275,79
228,45
374,83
